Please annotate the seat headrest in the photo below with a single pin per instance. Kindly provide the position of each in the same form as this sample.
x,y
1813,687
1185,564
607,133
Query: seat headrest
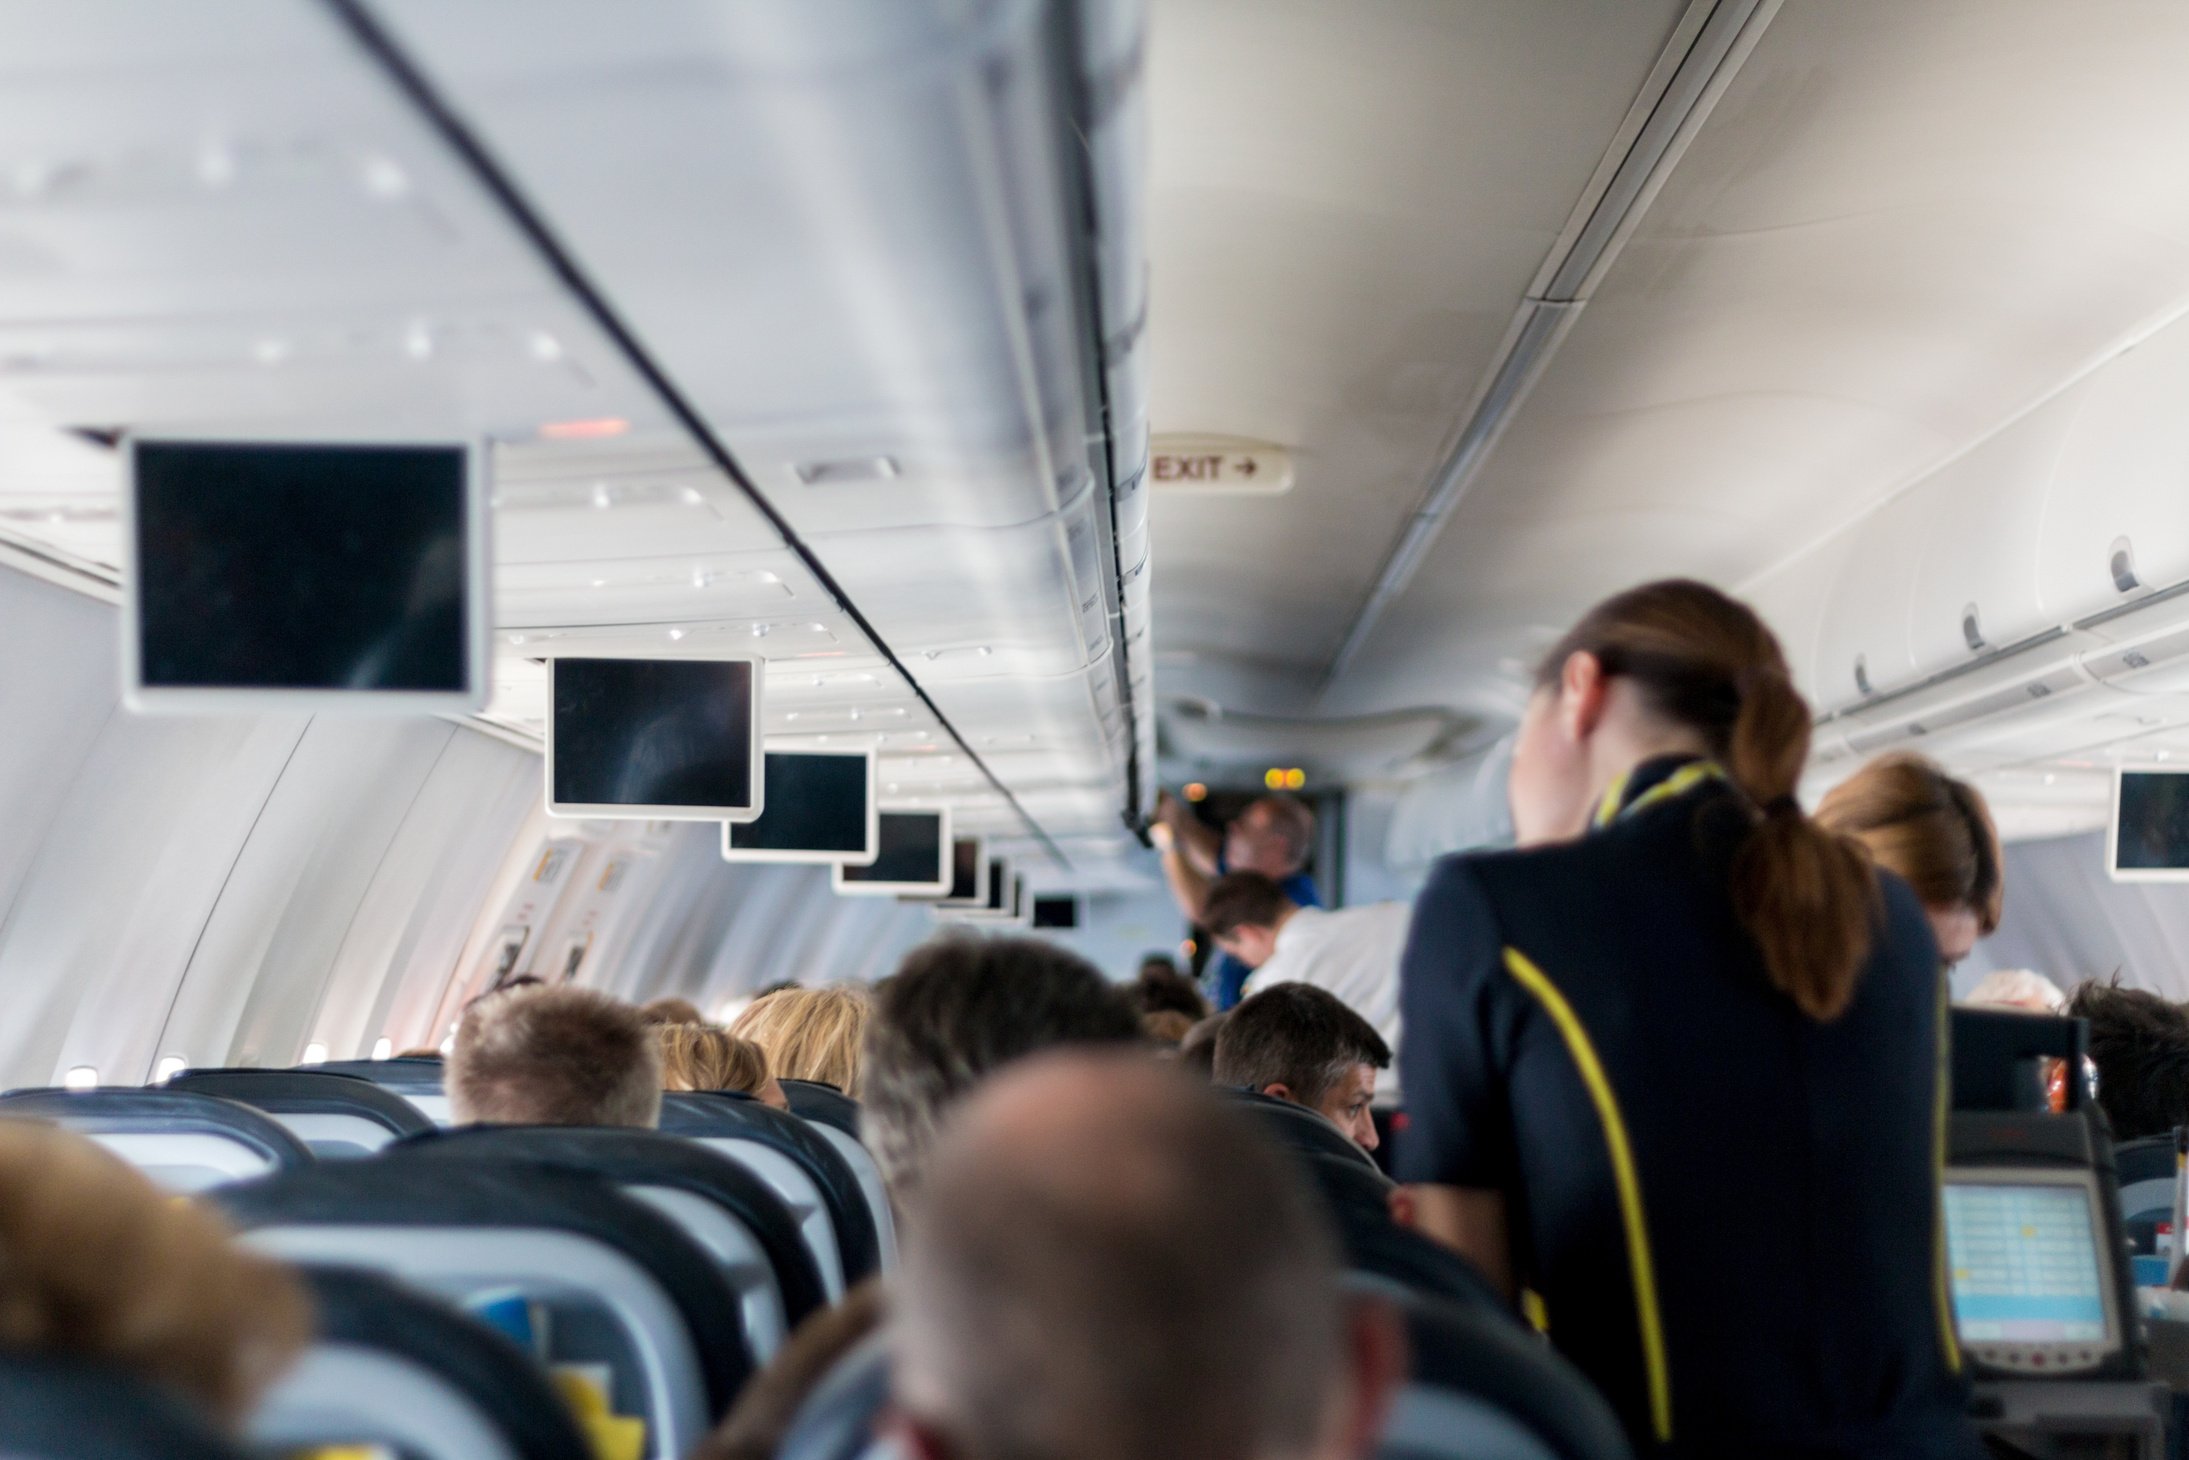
x,y
1298,1127
495,1379
707,1113
307,1092
812,1100
513,1197
161,1112
424,1076
58,1408
1490,1359
642,1157
838,1419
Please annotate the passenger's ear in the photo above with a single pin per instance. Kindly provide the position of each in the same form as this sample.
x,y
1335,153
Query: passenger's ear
x,y
1377,1358
1581,686
1278,1091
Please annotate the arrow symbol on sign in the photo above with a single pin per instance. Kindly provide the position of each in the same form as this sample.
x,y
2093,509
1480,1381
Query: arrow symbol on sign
x,y
1248,466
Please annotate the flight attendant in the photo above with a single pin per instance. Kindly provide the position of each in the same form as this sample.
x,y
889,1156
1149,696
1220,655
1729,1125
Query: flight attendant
x,y
1679,1059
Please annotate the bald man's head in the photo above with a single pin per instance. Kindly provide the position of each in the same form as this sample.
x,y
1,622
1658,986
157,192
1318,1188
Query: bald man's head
x,y
1105,1262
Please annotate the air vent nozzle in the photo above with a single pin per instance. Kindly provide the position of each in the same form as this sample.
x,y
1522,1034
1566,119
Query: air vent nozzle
x,y
1971,631
2122,564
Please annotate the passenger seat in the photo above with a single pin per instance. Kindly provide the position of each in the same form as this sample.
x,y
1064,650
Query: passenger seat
x,y
56,1408
836,1116
617,1283
340,1117
417,1080
184,1141
735,1215
393,1367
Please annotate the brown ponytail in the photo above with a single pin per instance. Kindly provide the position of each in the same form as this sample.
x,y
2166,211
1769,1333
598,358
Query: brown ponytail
x,y
1704,661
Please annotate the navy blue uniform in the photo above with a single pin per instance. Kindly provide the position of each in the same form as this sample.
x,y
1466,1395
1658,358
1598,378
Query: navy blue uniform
x,y
1729,1210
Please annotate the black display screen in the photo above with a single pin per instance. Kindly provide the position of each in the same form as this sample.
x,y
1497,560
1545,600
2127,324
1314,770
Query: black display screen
x,y
653,733
912,850
1056,912
999,885
814,803
2151,833
964,869
277,566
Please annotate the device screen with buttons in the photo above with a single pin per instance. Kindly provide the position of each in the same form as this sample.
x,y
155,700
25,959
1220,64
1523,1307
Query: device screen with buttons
x,y
2030,1290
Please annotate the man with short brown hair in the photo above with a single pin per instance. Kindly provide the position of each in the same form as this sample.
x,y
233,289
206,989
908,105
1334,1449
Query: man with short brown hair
x,y
555,1056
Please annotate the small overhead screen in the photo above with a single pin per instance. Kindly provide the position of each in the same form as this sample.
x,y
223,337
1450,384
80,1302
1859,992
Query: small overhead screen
x,y
2150,840
304,575
968,874
2030,1286
654,739
1056,912
914,857
820,808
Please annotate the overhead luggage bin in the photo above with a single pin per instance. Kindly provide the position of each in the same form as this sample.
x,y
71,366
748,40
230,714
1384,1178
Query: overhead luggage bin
x,y
741,1221
620,1285
418,1081
55,1408
396,1368
836,1116
338,1116
186,1142
795,1159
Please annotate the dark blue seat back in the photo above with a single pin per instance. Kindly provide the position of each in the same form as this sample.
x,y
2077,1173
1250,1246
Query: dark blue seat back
x,y
639,1158
823,1103
618,1274
701,1115
418,1081
57,1408
185,1141
1299,1128
1358,1200
336,1115
421,1359
1483,1386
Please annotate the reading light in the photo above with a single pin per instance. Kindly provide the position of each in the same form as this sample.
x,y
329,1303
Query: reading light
x,y
583,430
1188,948
80,1077
315,1053
1195,791
382,1047
1274,779
545,347
675,634
1295,778
168,1068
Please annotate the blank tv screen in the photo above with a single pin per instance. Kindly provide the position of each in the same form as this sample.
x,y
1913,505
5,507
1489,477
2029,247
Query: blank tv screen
x,y
1056,912
648,738
912,856
818,806
2151,824
297,568
966,865
2025,1263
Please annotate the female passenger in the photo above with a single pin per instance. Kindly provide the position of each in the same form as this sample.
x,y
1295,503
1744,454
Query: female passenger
x,y
1932,832
809,1034
1681,1059
703,1057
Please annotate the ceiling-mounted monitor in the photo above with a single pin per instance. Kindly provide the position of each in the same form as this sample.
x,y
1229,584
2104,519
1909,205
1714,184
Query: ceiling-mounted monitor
x,y
2149,838
1007,902
1058,912
968,874
654,739
914,857
820,808
290,575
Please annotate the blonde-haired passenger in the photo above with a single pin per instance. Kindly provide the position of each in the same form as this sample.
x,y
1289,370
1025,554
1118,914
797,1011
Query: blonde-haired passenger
x,y
809,1034
2017,988
705,1057
97,1263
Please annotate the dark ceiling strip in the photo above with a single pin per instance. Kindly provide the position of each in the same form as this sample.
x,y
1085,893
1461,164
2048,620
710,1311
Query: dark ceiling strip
x,y
412,82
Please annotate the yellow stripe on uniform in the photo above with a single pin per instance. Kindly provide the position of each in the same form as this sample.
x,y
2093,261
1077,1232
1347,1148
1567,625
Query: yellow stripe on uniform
x,y
1679,783
1623,1172
1949,1342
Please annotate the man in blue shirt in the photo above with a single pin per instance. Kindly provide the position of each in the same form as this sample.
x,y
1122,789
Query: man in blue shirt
x,y
1273,836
